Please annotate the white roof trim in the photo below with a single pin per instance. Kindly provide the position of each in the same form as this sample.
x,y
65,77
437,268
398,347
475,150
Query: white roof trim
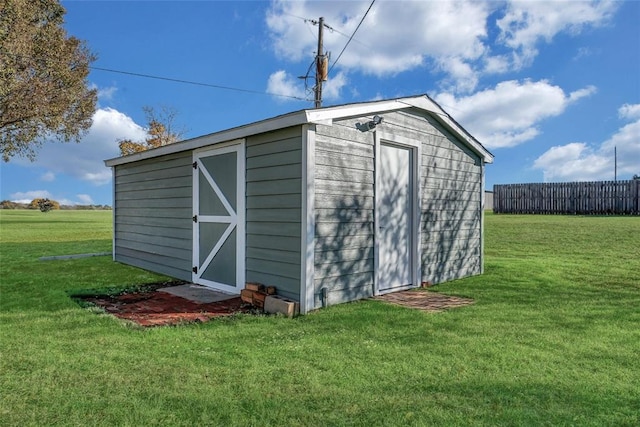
x,y
425,103
320,116
279,122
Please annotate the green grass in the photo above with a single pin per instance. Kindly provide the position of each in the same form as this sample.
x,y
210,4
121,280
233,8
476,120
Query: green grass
x,y
553,339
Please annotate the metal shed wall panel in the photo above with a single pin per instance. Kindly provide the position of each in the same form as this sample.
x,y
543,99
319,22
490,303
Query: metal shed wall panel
x,y
274,209
153,209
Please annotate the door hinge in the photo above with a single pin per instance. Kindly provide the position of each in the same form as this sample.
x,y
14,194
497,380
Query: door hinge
x,y
195,165
195,218
195,269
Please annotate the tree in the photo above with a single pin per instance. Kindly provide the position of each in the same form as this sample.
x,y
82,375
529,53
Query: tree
x,y
8,204
45,205
161,131
44,92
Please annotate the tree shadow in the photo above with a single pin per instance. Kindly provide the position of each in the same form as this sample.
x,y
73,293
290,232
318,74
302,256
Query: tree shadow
x,y
451,229
449,209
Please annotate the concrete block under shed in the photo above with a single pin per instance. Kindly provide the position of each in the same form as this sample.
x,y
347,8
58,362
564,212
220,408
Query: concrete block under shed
x,y
276,304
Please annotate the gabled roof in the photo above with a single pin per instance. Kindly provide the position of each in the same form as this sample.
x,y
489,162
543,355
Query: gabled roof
x,y
324,116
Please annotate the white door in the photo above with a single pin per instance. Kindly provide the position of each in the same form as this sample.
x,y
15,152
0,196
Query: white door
x,y
394,192
218,228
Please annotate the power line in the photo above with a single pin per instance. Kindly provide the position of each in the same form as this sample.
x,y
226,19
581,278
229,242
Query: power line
x,y
330,28
169,79
350,38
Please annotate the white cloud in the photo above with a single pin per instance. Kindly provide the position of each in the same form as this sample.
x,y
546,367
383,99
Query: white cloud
x,y
582,93
332,87
572,162
508,114
627,142
48,177
85,159
526,23
28,196
498,64
391,39
85,199
282,83
629,111
453,37
578,161
463,78
585,52
105,93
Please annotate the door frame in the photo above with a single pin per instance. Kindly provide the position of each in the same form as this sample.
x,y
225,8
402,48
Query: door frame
x,y
237,146
416,209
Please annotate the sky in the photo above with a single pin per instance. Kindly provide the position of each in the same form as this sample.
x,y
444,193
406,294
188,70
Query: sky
x,y
551,88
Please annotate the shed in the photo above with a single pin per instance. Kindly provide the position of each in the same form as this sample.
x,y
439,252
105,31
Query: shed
x,y
328,205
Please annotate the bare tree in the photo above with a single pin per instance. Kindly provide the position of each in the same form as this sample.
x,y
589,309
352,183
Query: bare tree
x,y
161,130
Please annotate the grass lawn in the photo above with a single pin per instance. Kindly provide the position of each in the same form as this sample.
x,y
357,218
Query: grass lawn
x,y
553,339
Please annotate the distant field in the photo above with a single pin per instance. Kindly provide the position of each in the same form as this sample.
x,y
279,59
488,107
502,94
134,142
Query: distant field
x,y
553,339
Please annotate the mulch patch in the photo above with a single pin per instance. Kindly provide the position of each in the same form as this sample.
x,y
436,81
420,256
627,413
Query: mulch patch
x,y
151,307
424,300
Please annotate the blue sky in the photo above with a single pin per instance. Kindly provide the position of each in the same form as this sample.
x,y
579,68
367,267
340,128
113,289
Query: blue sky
x,y
550,88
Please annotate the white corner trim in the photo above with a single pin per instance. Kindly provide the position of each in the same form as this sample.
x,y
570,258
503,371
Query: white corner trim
x,y
417,214
241,212
376,215
308,223
482,196
113,213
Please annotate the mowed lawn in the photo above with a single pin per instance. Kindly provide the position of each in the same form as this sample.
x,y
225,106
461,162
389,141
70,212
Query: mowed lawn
x,y
552,339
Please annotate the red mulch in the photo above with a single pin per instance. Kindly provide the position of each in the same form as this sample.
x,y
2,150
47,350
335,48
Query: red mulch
x,y
155,308
151,307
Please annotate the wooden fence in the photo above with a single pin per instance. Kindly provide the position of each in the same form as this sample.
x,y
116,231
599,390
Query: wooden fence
x,y
581,198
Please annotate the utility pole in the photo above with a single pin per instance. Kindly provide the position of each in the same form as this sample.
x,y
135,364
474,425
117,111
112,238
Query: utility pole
x,y
321,64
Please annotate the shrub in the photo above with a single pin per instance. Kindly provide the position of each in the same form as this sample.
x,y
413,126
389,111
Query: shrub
x,y
45,205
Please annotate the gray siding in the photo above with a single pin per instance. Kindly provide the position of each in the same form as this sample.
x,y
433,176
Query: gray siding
x,y
153,209
274,207
450,217
450,201
344,204
153,226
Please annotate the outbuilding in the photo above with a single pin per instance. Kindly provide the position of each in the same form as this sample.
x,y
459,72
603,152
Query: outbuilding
x,y
328,205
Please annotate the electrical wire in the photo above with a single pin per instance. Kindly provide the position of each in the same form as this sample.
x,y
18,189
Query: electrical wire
x,y
350,38
150,76
307,77
330,28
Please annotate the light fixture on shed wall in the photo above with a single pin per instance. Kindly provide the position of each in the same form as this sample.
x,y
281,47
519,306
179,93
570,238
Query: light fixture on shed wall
x,y
370,125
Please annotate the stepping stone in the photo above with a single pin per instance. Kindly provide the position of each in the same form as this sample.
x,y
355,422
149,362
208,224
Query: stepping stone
x,y
198,294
